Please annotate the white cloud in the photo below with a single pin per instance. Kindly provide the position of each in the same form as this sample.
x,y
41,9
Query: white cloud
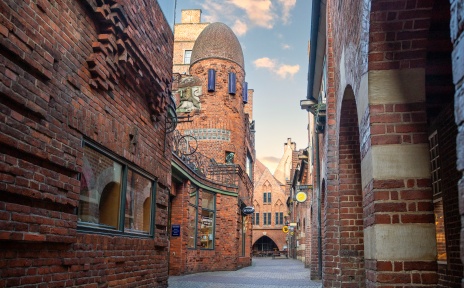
x,y
240,28
258,11
286,47
265,63
287,6
242,15
288,70
282,70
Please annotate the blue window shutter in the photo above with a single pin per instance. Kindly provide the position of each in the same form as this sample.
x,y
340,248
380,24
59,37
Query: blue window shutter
x,y
245,92
211,80
232,85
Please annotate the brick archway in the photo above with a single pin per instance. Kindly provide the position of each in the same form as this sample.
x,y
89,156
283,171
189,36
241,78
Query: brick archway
x,y
350,196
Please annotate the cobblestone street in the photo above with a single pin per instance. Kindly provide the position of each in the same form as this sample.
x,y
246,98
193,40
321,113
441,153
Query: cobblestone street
x,y
265,272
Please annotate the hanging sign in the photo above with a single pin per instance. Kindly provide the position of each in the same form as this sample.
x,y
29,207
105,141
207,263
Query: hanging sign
x,y
304,187
248,210
285,229
301,197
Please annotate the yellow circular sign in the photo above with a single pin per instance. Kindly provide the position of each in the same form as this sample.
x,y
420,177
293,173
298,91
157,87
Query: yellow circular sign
x,y
301,197
285,229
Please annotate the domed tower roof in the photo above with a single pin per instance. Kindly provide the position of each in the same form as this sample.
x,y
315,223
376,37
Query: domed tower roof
x,y
217,40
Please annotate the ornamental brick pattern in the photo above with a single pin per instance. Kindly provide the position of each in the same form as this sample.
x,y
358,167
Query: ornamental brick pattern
x,y
56,89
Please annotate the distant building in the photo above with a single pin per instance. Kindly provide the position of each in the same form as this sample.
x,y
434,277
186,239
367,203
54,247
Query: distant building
x,y
213,156
84,174
281,221
271,213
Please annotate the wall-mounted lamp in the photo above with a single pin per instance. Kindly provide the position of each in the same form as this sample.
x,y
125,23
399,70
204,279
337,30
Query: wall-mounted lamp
x,y
309,105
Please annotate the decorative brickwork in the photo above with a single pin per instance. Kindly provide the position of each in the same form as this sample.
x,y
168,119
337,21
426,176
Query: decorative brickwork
x,y
51,99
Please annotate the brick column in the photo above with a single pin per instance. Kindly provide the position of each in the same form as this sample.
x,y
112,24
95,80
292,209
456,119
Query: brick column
x,y
457,35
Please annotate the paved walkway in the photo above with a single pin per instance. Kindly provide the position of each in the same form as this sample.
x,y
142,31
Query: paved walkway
x,y
264,273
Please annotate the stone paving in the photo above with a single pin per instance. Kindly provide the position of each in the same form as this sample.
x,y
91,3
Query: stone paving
x,y
265,272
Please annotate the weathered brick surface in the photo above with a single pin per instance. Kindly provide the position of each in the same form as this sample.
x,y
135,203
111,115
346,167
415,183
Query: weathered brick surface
x,y
387,35
57,88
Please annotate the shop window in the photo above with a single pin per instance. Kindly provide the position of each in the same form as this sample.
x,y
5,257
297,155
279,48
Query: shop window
x,y
435,170
111,188
208,201
192,218
267,197
187,56
440,230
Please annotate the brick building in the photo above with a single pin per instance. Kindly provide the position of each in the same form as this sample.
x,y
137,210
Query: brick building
x,y
214,156
185,34
381,93
277,207
271,212
84,172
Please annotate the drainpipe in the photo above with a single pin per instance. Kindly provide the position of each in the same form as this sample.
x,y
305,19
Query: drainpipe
x,y
315,15
319,226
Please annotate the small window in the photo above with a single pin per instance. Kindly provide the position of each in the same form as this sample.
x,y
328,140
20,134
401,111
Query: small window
x,y
249,166
256,219
187,56
279,218
115,197
267,197
267,218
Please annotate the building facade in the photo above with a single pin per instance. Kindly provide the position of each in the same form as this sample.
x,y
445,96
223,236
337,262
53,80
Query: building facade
x,y
185,34
271,213
213,166
84,178
384,95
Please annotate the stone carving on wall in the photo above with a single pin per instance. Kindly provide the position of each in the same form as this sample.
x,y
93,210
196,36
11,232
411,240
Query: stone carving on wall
x,y
189,91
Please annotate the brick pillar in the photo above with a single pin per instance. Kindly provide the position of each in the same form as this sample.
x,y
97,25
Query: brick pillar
x,y
457,27
399,234
399,222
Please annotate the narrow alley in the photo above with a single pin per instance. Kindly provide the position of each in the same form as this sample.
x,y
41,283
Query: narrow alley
x,y
264,272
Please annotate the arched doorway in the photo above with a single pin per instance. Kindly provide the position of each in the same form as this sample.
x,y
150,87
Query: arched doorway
x,y
264,246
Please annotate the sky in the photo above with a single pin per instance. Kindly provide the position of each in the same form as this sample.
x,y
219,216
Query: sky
x,y
274,35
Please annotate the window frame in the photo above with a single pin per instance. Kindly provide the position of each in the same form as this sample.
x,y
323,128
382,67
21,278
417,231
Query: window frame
x,y
94,228
267,199
214,218
195,206
189,57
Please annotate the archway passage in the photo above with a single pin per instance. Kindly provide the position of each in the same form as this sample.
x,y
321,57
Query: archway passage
x,y
351,198
264,246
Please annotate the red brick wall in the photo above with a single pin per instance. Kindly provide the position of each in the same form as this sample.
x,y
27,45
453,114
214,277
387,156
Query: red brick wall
x,y
51,97
226,254
457,27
